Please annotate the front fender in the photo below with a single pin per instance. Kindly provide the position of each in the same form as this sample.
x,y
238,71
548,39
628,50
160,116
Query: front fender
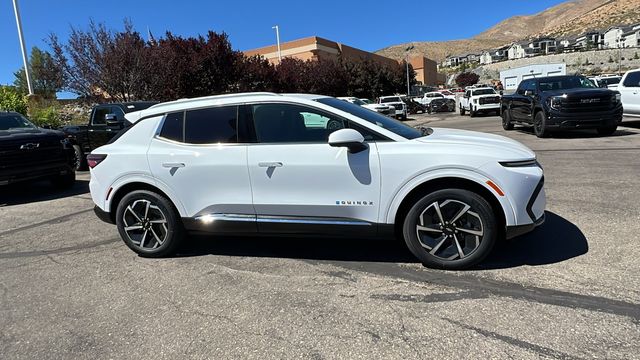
x,y
390,212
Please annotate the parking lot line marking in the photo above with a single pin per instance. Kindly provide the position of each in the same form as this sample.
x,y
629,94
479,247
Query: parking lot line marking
x,y
50,221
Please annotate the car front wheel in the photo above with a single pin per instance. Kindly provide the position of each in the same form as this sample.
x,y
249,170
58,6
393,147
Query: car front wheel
x,y
506,120
606,131
149,224
450,229
461,110
540,126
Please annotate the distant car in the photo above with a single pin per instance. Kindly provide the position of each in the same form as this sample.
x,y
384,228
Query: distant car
x,y
442,105
105,122
476,100
366,101
428,97
605,81
448,94
397,103
414,106
560,103
28,152
629,89
379,108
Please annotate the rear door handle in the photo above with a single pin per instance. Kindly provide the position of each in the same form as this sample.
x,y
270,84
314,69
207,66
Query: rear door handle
x,y
173,165
270,164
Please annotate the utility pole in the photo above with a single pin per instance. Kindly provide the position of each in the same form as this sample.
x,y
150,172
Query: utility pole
x,y
22,47
619,40
407,62
278,42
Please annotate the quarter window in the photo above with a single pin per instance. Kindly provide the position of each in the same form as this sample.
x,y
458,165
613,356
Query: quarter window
x,y
99,115
285,123
173,128
211,125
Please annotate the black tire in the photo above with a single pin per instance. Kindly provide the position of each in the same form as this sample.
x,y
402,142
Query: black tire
x,y
540,126
479,217
160,208
64,181
80,159
462,111
507,124
471,112
403,117
606,131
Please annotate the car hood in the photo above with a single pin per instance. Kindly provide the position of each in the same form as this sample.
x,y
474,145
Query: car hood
x,y
30,134
502,147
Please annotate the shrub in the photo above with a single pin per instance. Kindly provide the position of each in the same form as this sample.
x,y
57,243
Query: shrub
x,y
635,56
12,100
467,79
47,116
610,59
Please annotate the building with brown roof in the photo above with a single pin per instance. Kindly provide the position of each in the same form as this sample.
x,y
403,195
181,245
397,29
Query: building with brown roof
x,y
315,48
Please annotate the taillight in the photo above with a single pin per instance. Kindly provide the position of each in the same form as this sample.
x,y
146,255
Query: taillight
x,y
94,159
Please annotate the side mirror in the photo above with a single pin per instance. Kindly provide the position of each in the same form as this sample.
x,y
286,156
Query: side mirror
x,y
528,93
112,120
501,92
348,138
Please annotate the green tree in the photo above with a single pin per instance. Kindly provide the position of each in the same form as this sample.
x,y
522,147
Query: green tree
x,y
46,76
12,100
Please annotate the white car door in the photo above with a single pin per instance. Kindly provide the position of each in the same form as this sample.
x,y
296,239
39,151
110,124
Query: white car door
x,y
196,156
630,93
300,183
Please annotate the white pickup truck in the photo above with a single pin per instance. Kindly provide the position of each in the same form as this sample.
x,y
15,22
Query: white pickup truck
x,y
629,89
477,100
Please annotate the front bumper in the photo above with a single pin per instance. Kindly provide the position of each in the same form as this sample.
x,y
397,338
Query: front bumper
x,y
591,120
34,173
532,207
517,230
482,107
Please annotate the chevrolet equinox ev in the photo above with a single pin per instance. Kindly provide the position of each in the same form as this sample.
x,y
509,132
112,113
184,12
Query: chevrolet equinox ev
x,y
312,166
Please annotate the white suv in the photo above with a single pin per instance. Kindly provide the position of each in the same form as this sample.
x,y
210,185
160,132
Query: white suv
x,y
477,100
262,163
397,103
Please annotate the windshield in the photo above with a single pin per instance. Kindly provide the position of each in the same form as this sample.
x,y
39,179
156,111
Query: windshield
x,y
564,83
359,102
366,101
373,117
609,81
484,92
390,99
446,92
14,121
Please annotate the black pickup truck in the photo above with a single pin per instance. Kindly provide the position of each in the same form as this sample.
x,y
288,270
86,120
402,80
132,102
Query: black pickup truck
x,y
562,103
105,122
28,152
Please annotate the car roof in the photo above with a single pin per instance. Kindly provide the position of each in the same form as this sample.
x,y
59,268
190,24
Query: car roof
x,y
206,101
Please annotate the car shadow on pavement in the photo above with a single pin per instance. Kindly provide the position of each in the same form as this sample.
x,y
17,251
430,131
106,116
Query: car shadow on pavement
x,y
575,134
555,241
330,249
30,192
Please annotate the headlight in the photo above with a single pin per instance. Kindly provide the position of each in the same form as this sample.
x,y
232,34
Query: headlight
x,y
555,102
521,163
616,98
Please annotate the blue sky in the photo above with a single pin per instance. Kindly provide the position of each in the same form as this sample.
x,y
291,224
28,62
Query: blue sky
x,y
368,25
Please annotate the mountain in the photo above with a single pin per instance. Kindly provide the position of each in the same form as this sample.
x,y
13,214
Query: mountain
x,y
566,19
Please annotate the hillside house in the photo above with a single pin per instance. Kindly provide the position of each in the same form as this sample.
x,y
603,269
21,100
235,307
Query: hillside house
x,y
613,37
632,36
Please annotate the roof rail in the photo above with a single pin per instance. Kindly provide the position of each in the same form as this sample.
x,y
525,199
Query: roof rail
x,y
212,97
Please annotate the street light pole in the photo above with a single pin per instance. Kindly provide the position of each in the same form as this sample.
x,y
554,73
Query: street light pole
x,y
619,55
278,42
22,47
407,63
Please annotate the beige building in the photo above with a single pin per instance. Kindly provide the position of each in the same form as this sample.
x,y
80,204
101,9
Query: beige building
x,y
315,48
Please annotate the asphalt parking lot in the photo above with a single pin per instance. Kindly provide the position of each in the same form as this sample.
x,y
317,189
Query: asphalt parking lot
x,y
69,288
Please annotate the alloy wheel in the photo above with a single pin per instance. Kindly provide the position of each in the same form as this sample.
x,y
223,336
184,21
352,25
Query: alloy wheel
x,y
449,229
145,224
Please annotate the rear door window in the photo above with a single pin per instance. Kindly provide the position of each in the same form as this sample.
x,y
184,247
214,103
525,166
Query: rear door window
x,y
211,125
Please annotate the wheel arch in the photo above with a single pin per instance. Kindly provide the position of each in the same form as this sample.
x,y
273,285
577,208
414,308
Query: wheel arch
x,y
121,191
396,214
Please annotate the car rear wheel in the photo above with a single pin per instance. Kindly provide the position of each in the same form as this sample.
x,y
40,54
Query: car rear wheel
x,y
539,125
149,224
506,120
450,229
606,131
461,110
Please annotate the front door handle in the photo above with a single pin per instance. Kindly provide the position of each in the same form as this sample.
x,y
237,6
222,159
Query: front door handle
x,y
173,165
270,164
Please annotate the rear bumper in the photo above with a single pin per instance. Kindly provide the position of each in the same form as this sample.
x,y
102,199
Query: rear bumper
x,y
103,215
